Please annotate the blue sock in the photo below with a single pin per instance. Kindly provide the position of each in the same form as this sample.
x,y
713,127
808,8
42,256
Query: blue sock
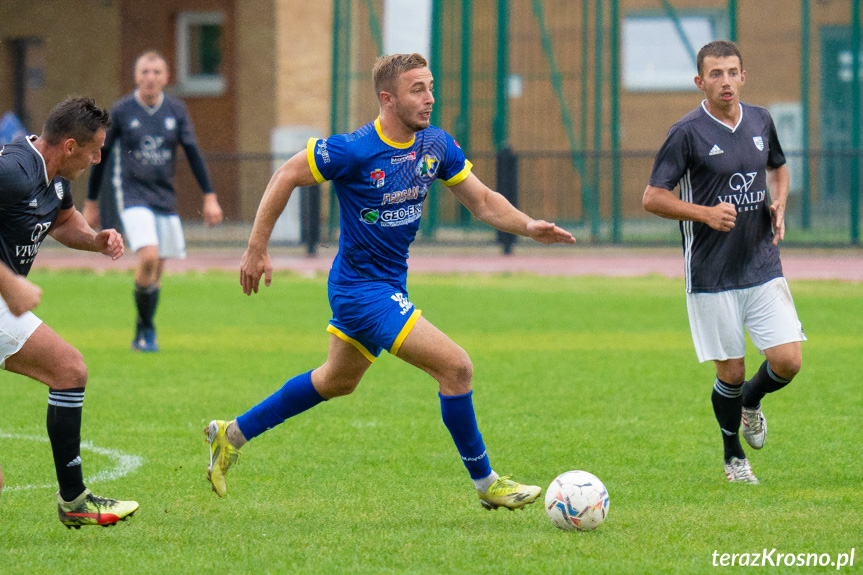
x,y
296,396
460,419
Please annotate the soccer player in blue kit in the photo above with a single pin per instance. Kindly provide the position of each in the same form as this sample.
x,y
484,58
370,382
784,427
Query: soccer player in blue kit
x,y
35,201
147,126
382,173
725,155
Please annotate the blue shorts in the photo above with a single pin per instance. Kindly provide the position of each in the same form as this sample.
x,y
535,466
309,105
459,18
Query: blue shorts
x,y
371,316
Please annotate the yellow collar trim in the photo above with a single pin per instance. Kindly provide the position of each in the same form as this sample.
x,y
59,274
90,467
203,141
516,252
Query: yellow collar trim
x,y
389,142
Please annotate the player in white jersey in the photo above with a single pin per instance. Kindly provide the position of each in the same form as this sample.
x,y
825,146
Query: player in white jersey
x,y
733,181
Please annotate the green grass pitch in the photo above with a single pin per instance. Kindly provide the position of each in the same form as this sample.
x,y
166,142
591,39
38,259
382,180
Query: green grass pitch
x,y
570,373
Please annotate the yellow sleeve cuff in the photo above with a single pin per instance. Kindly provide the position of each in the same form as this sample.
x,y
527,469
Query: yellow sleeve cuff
x,y
459,177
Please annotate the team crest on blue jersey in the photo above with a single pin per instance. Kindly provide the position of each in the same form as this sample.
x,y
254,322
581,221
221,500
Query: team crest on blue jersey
x,y
58,189
427,167
759,143
135,123
369,216
170,123
377,178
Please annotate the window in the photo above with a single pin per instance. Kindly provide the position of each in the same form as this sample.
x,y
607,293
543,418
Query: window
x,y
200,53
655,58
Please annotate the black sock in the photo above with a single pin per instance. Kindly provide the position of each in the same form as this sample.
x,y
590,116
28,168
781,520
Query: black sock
x,y
763,382
146,299
727,402
64,431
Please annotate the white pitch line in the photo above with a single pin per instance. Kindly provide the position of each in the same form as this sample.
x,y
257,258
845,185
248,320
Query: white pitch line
x,y
125,465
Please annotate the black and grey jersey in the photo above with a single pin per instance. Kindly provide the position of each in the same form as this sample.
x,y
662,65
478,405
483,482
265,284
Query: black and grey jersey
x,y
140,153
29,203
714,163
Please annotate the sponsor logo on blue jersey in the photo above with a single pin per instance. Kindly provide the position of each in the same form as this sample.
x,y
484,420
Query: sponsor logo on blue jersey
x,y
403,158
392,218
369,216
400,196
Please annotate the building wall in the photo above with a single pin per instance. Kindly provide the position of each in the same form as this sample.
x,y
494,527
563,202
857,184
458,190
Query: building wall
x,y
257,82
77,35
278,64
304,47
150,26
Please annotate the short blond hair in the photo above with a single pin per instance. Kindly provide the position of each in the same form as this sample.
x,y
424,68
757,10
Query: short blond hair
x,y
151,55
388,69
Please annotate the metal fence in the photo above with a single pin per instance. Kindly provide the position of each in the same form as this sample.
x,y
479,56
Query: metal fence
x,y
563,60
532,90
546,184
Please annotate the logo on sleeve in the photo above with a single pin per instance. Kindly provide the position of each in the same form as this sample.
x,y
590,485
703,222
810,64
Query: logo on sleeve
x,y
377,178
323,152
759,143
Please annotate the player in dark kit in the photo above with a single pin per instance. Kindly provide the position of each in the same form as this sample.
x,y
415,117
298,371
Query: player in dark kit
x,y
147,127
35,200
726,157
382,174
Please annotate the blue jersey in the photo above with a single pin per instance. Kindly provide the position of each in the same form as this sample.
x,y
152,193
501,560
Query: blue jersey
x,y
141,153
29,203
381,186
715,163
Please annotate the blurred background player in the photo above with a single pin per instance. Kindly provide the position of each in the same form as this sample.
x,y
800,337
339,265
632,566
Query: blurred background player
x,y
382,174
35,200
726,155
147,125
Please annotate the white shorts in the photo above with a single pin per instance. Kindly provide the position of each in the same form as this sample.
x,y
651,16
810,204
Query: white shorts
x,y
766,311
144,228
14,331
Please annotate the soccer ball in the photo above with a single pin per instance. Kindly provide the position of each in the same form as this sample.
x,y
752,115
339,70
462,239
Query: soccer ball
x,y
576,500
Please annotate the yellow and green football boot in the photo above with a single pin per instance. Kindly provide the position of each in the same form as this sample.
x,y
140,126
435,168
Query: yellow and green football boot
x,y
505,492
222,455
